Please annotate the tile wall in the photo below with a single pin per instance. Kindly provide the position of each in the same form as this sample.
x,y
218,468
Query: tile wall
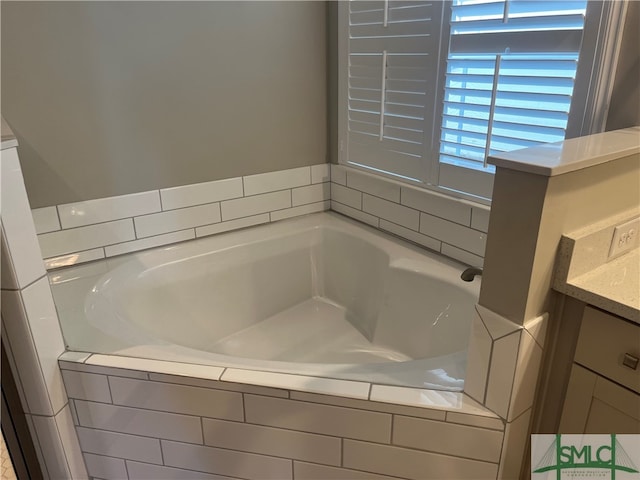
x,y
504,361
148,424
31,333
454,227
84,231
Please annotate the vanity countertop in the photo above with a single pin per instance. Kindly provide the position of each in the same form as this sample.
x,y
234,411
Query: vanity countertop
x,y
614,286
583,270
551,159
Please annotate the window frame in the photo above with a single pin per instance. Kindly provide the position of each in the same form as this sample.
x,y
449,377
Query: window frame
x,y
601,40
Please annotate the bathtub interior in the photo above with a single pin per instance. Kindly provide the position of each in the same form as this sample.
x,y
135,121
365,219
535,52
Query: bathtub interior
x,y
317,295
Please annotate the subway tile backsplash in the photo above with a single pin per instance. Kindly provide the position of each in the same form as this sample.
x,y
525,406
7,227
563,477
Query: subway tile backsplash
x,y
84,231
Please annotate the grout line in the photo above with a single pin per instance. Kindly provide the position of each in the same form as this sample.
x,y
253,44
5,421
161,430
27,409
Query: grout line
x,y
59,219
20,289
109,387
160,197
135,231
37,443
61,446
126,469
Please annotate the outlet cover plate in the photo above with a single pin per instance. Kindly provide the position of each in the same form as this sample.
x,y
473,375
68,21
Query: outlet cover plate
x,y
625,238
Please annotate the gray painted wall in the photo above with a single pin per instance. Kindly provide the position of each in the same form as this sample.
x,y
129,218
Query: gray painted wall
x,y
109,98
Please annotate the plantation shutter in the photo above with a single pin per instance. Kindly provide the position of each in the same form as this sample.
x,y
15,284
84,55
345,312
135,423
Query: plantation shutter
x,y
392,56
510,77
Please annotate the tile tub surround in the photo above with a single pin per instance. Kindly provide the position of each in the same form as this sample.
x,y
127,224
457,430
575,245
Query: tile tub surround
x,y
85,231
81,232
31,332
143,419
454,227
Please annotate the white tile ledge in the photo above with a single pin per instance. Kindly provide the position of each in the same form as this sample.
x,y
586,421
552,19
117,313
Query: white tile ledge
x,y
303,383
435,399
456,402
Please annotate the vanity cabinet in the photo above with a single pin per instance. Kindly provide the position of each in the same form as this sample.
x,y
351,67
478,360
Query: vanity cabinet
x,y
603,394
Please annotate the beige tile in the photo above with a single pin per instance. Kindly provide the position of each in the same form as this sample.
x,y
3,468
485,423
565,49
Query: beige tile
x,y
442,206
501,373
74,258
79,239
28,373
120,445
139,422
344,388
356,214
207,383
497,325
311,471
201,193
254,205
20,253
310,194
346,196
176,398
526,375
453,233
272,441
156,366
45,219
537,327
516,436
435,399
478,358
411,235
150,242
447,438
105,467
373,185
174,220
100,370
146,471
301,210
463,256
314,418
475,421
225,462
232,225
50,442
369,405
338,174
75,357
320,173
413,464
280,180
480,218
107,209
86,386
394,212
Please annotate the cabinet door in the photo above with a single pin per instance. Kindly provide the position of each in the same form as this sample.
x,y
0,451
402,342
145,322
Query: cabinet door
x,y
594,404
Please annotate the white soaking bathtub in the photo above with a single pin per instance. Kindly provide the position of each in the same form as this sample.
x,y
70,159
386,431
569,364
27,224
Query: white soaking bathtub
x,y
319,295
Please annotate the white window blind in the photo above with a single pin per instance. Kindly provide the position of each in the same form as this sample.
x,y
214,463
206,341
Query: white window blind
x,y
510,76
429,89
392,67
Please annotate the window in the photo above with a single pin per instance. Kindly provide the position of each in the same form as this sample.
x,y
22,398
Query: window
x,y
429,89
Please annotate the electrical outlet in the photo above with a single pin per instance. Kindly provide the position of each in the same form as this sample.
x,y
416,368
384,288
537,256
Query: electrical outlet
x,y
625,237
